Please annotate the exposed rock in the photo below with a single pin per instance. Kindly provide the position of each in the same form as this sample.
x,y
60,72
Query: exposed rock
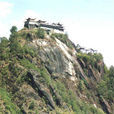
x,y
73,78
58,61
81,62
91,73
43,91
41,42
106,107
57,96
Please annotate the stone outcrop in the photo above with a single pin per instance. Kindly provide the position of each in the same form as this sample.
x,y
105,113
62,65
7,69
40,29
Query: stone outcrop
x,y
105,106
42,90
57,58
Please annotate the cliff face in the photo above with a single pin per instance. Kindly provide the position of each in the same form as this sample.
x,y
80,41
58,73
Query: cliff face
x,y
47,75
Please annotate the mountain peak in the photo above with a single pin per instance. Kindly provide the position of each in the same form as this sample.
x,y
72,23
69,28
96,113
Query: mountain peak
x,y
46,73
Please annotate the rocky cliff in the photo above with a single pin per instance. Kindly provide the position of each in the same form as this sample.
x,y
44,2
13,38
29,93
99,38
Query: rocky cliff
x,y
43,73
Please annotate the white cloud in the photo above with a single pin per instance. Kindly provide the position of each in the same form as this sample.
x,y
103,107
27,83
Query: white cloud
x,y
5,8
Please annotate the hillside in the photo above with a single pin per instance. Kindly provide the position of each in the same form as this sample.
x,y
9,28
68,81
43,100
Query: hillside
x,y
45,73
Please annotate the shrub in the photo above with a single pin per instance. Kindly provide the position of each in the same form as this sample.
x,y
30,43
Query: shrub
x,y
63,38
29,50
27,64
4,50
45,76
106,84
98,57
32,105
9,106
91,59
40,33
13,29
81,85
77,105
15,48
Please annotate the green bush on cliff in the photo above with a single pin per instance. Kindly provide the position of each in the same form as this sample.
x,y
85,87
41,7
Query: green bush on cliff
x,y
63,38
13,29
9,106
28,50
4,73
72,100
15,48
32,105
4,50
40,33
106,86
81,85
91,59
98,57
27,64
45,75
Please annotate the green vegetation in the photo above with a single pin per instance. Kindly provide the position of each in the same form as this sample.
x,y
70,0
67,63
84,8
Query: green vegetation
x,y
4,50
40,33
106,86
90,58
63,38
46,76
81,85
13,29
91,62
27,64
32,105
8,107
15,48
77,105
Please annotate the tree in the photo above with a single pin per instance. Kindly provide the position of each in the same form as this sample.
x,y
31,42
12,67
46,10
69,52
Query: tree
x,y
4,38
106,86
4,50
14,33
111,83
13,29
15,48
41,33
102,88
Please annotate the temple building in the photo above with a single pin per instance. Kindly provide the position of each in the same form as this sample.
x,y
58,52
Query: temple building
x,y
33,23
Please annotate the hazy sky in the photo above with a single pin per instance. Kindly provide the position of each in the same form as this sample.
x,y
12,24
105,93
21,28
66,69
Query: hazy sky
x,y
89,23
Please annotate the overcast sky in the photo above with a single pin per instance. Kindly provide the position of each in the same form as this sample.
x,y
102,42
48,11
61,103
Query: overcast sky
x,y
89,23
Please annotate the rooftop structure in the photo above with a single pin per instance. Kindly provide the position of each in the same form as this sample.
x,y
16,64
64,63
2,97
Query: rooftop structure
x,y
33,23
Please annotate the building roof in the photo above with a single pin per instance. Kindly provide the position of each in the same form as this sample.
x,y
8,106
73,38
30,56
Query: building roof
x,y
41,23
